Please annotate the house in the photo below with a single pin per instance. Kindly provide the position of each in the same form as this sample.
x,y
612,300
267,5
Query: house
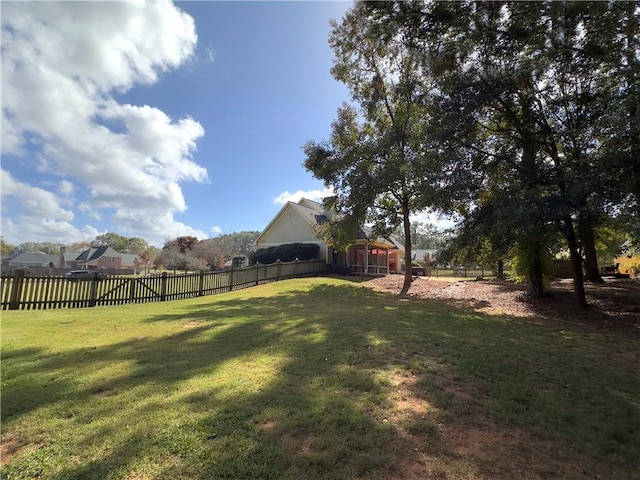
x,y
424,255
103,258
297,222
30,260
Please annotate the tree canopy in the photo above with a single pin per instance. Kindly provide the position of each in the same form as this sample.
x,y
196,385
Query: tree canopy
x,y
530,109
189,253
379,160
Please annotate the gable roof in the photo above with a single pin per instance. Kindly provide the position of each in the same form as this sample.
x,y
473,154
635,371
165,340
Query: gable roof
x,y
91,254
314,213
33,259
311,212
128,259
365,232
418,254
70,255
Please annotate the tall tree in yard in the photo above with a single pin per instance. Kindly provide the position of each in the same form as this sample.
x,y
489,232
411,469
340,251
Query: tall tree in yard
x,y
210,253
5,247
183,244
378,160
146,258
530,91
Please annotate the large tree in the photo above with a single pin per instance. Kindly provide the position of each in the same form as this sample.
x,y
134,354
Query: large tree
x,y
526,89
210,253
236,243
120,243
538,105
378,160
50,248
5,247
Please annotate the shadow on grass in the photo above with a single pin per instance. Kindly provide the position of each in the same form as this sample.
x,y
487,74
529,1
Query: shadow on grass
x,y
297,385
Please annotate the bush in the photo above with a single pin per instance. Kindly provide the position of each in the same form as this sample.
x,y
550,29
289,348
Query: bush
x,y
286,253
239,261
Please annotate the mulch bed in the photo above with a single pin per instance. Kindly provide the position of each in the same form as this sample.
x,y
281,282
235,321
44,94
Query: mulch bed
x,y
612,304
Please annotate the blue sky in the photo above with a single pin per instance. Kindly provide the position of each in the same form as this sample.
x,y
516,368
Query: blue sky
x,y
160,119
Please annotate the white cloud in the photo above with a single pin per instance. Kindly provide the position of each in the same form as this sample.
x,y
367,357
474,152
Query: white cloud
x,y
66,188
42,217
35,201
316,195
209,55
63,63
216,230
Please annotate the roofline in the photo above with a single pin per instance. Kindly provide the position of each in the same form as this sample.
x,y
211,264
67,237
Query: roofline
x,y
272,222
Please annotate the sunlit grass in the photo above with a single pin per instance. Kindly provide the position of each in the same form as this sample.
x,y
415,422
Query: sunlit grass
x,y
313,378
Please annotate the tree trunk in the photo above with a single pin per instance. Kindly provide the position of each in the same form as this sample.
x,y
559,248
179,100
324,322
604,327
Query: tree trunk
x,y
536,273
408,271
576,261
590,256
500,269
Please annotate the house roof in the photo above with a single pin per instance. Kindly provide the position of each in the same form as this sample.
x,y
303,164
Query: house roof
x,y
315,213
307,209
33,259
364,233
86,256
128,259
418,254
91,254
71,255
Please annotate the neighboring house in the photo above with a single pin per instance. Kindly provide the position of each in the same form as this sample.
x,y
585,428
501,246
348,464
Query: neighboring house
x,y
31,260
129,260
104,257
67,258
297,222
424,255
100,258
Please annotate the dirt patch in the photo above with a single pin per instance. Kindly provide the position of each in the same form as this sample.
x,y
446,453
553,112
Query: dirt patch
x,y
10,447
468,447
614,303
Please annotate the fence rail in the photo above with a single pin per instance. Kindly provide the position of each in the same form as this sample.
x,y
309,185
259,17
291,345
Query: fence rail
x,y
20,291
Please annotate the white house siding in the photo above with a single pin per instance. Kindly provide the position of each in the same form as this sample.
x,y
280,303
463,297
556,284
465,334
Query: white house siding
x,y
290,227
295,223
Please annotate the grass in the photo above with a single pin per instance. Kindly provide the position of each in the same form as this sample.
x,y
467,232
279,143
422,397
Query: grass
x,y
315,378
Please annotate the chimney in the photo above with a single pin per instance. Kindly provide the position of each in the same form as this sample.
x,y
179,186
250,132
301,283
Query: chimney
x,y
61,260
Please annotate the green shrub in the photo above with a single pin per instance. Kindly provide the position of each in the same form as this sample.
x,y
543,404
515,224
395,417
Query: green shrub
x,y
286,253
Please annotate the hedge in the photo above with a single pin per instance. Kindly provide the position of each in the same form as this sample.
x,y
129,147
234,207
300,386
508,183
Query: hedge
x,y
286,253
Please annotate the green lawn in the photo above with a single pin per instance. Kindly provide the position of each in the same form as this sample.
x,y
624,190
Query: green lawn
x,y
313,379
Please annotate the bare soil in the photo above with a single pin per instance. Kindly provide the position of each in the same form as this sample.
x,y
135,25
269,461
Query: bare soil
x,y
612,304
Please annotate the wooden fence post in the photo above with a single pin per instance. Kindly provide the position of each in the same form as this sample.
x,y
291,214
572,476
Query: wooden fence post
x,y
257,267
132,289
201,284
93,292
231,279
163,287
16,289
